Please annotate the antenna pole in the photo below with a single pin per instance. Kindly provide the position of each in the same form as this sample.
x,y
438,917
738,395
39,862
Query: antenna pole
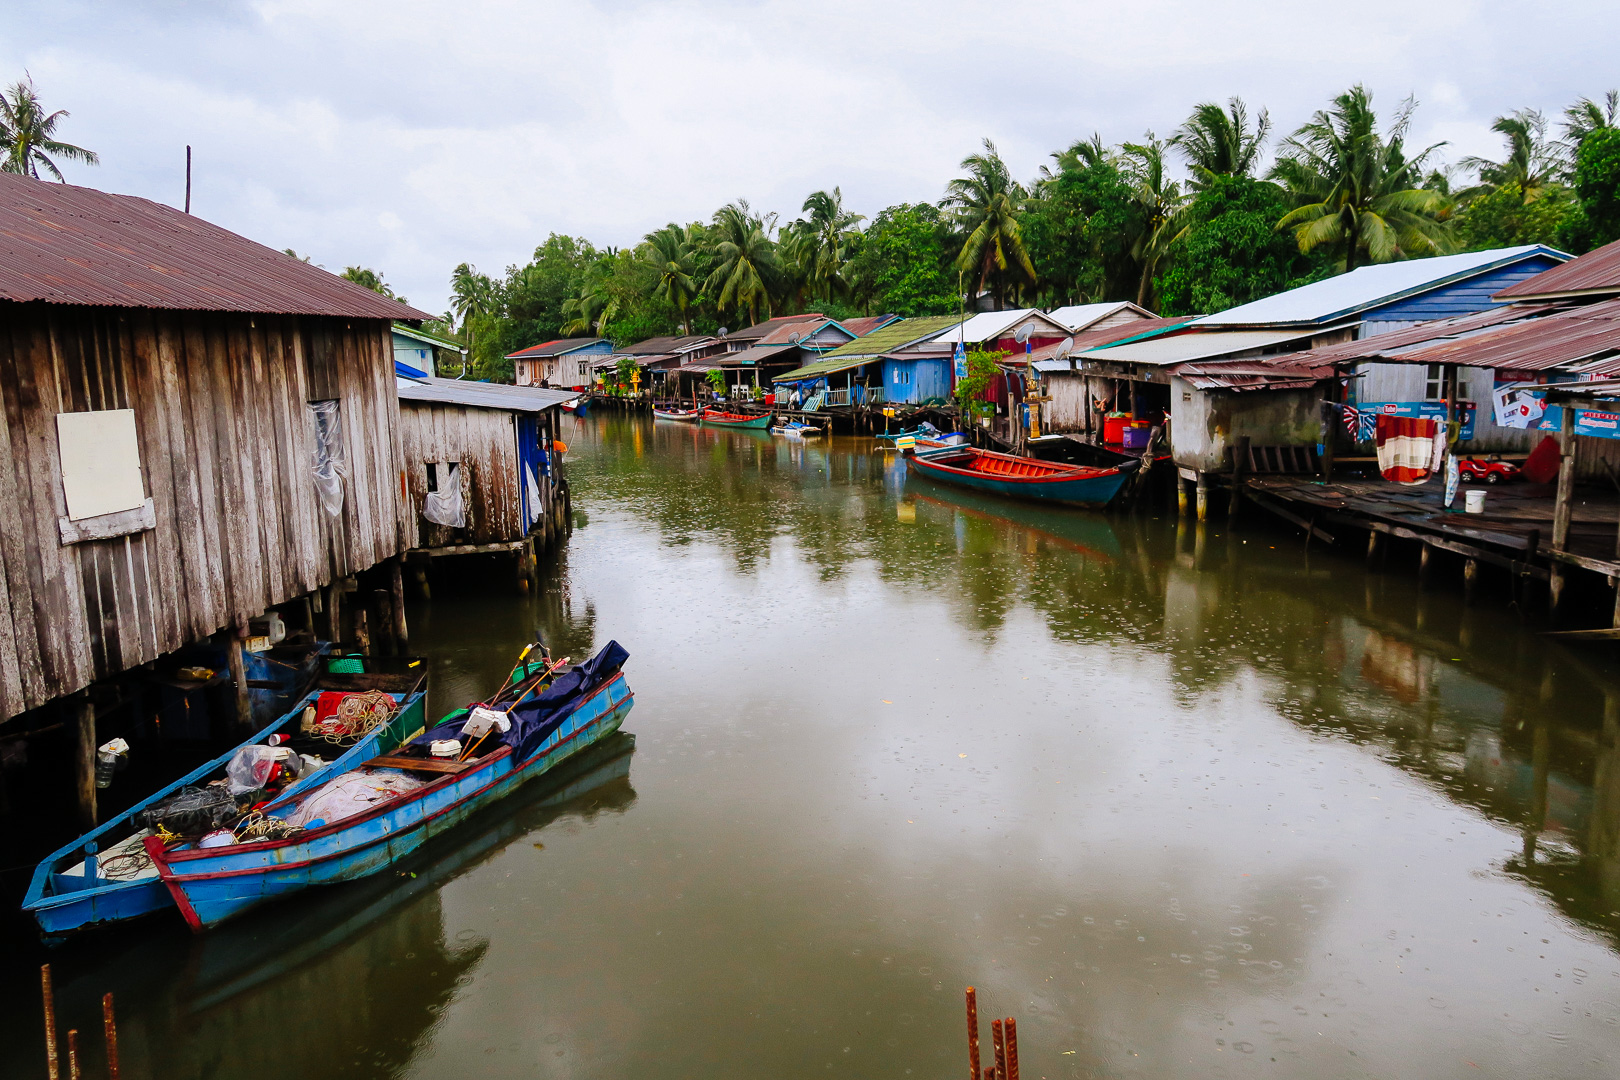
x,y
188,179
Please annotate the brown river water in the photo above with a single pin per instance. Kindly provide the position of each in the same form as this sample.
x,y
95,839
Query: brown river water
x,y
1186,803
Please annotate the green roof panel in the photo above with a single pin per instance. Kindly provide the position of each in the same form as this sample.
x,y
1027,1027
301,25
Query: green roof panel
x,y
886,339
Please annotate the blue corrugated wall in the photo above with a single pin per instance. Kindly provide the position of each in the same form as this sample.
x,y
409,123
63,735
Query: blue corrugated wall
x,y
926,379
1460,297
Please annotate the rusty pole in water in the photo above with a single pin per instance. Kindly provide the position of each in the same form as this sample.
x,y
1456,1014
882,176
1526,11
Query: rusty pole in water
x,y
50,1021
973,1034
109,1028
998,1040
1012,1048
73,1054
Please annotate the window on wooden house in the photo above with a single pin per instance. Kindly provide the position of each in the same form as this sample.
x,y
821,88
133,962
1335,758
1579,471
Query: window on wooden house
x,y
102,485
1434,384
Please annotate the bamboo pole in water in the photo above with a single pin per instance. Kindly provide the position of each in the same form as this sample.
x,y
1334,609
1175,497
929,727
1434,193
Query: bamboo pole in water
x,y
973,1033
51,1068
73,1053
1012,1048
998,1040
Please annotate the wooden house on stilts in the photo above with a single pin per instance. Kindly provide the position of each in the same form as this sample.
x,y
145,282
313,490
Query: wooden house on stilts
x,y
197,429
482,469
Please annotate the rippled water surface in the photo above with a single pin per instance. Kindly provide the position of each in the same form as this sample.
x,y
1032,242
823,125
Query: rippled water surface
x,y
1187,803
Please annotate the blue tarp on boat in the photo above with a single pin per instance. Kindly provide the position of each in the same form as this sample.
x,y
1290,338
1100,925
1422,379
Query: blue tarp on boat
x,y
537,717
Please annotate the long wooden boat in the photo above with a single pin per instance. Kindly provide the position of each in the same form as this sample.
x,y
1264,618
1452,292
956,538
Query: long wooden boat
x,y
716,418
211,885
796,430
69,891
1021,477
685,416
578,405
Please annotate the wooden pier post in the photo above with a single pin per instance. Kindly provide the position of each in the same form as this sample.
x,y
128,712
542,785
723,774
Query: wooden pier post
x,y
1425,557
1374,542
49,998
1470,579
84,758
109,1028
973,1033
1183,504
238,664
1562,508
396,581
334,603
1203,496
1240,467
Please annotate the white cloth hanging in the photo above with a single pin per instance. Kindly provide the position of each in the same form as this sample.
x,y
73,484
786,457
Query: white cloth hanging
x,y
444,507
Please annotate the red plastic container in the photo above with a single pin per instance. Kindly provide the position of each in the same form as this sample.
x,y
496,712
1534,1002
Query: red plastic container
x,y
1114,429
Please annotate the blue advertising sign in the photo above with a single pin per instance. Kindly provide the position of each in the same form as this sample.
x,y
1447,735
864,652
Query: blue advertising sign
x,y
1432,410
961,361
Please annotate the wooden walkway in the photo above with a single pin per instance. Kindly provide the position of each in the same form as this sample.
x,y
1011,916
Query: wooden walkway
x,y
1514,532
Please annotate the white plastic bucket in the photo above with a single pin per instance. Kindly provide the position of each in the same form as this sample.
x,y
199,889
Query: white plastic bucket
x,y
1474,500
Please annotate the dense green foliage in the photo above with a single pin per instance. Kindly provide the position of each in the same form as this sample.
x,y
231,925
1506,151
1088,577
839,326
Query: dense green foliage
x,y
1597,187
971,390
904,263
1232,252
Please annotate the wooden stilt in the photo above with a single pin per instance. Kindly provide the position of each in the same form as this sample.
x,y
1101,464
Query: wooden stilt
x,y
1183,504
1470,579
49,997
973,1033
109,1029
1562,506
1240,469
334,606
362,630
84,759
238,665
1203,496
73,1053
396,582
382,610
1374,542
1425,557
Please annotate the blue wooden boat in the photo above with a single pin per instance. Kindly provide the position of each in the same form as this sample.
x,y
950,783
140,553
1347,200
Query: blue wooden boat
x,y
1022,478
578,405
68,893
211,885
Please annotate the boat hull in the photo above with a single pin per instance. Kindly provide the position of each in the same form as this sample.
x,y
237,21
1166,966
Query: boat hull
x,y
732,420
214,885
61,907
1079,487
679,417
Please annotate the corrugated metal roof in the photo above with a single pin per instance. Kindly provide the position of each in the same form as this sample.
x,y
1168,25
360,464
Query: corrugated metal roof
x,y
758,354
1368,287
483,395
1595,272
759,330
865,324
793,332
990,325
1053,357
1285,372
1399,342
554,348
896,335
660,346
1181,348
1585,339
63,244
1079,316
428,339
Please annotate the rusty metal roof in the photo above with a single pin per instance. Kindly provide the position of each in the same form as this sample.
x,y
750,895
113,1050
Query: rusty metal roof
x,y
1398,343
1596,273
660,346
62,244
1284,372
554,348
1585,339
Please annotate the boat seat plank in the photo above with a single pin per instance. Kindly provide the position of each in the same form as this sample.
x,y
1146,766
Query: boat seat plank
x,y
417,764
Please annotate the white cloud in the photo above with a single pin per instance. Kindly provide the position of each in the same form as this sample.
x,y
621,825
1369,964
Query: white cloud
x,y
410,136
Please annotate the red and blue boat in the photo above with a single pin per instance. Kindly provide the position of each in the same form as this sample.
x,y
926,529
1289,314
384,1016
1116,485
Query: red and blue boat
x,y
716,418
360,823
100,878
1023,478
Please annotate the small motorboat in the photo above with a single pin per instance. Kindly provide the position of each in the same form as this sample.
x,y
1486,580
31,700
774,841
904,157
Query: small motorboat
x,y
684,416
1021,477
105,877
716,418
795,430
578,405
363,821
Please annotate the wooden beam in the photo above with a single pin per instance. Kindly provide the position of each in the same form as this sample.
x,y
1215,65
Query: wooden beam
x,y
396,579
1277,508
84,759
1607,633
244,705
107,526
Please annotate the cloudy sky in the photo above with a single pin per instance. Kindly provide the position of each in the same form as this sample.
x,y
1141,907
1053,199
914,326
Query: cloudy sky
x,y
409,136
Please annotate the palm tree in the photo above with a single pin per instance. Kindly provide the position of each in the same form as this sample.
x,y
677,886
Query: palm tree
x,y
367,278
473,298
1587,116
1532,163
1356,189
1160,203
821,242
595,305
746,272
1081,155
670,252
1220,142
29,134
986,204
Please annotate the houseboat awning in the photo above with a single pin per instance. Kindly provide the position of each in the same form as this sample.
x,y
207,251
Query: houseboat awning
x,y
483,395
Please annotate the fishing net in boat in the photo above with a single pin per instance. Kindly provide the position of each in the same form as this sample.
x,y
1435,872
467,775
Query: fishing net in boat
x,y
191,811
350,794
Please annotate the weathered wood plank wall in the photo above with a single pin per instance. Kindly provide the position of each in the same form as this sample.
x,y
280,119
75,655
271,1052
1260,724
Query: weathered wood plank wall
x,y
484,443
226,441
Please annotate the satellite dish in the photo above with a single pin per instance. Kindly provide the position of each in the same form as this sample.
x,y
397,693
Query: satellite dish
x,y
1024,332
1064,346
723,331
794,339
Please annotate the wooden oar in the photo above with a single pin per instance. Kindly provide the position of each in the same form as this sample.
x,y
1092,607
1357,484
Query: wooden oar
x,y
524,655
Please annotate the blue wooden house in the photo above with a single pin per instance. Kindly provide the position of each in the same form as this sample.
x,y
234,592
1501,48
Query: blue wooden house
x,y
918,378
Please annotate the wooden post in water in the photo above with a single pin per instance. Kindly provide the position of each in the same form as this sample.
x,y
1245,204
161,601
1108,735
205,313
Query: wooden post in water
x,y
1373,542
973,1033
49,998
1203,495
109,1028
84,758
1182,502
238,666
396,581
1240,466
362,630
73,1053
1562,507
1470,579
1012,1048
998,1040
1425,556
334,603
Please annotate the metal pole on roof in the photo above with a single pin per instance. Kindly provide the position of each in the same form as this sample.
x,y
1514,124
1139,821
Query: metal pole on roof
x,y
188,179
